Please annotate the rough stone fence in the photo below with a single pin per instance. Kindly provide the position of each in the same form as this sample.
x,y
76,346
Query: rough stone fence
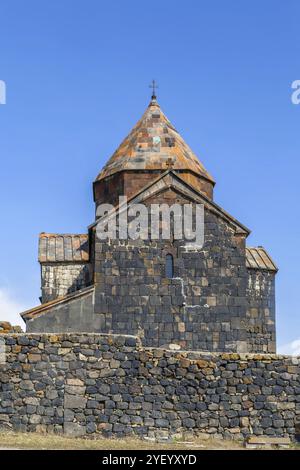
x,y
89,384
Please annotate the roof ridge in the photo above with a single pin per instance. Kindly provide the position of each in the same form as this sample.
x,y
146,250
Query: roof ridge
x,y
47,235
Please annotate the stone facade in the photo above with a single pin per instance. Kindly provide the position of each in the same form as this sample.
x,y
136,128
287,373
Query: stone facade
x,y
221,295
81,384
203,307
261,311
60,279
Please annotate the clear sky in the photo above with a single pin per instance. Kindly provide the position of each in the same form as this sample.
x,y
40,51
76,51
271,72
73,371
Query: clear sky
x,y
77,75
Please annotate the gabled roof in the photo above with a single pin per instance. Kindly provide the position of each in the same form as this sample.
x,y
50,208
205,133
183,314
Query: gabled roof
x,y
55,247
151,145
258,258
169,179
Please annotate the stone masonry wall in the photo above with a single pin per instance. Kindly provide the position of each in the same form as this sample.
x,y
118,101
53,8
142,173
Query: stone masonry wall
x,y
261,311
59,279
93,384
202,307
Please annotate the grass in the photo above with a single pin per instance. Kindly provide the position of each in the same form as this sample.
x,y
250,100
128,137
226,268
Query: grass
x,y
11,440
35,441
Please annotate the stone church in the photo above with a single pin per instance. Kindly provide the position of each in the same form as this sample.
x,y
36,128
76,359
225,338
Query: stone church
x,y
217,298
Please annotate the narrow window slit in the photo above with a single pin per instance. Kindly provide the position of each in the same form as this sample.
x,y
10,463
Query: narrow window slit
x,y
169,266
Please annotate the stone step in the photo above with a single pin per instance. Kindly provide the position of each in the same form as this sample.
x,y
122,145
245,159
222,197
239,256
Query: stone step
x,y
264,441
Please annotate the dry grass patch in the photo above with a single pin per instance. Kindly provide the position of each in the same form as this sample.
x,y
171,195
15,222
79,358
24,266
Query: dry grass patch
x,y
11,440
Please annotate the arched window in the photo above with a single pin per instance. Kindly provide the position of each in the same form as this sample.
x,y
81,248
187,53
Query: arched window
x,y
169,266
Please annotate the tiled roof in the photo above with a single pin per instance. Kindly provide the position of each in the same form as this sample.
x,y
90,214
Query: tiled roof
x,y
258,258
55,247
153,144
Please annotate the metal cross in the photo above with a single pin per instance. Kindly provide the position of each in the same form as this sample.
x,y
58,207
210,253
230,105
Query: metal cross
x,y
153,86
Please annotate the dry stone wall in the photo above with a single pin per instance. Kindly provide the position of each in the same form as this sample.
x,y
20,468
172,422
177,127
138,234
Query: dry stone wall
x,y
89,384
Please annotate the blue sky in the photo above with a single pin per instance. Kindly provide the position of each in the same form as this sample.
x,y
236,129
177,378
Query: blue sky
x,y
77,76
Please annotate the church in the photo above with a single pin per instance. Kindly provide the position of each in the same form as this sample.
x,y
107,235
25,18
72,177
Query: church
x,y
219,297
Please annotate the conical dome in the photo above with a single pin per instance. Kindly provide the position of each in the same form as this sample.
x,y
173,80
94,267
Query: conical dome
x,y
154,144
